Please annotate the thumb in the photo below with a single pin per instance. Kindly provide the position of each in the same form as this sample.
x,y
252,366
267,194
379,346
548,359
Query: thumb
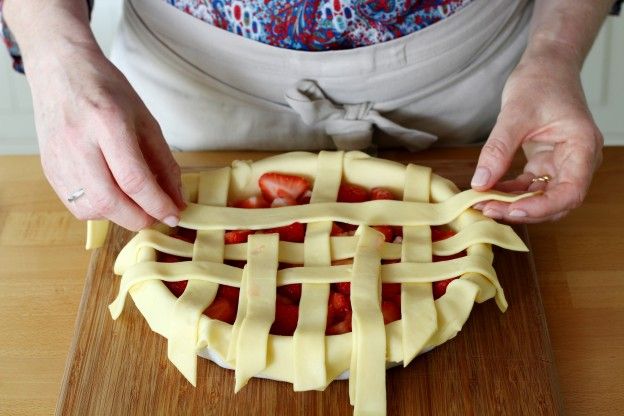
x,y
497,154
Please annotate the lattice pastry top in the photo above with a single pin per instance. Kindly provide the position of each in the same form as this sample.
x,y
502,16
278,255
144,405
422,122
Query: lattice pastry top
x,y
310,359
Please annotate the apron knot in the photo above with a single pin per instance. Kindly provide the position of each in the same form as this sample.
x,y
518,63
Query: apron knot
x,y
349,125
357,111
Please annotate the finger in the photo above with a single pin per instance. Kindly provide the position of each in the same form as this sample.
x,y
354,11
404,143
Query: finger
x,y
533,220
102,198
555,199
135,179
519,184
565,191
500,211
497,152
160,160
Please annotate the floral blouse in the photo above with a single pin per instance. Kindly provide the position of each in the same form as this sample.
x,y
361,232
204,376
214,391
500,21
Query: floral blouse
x,y
309,25
318,25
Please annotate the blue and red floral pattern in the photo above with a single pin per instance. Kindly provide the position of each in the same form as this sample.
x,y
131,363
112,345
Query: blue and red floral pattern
x,y
11,45
318,25
312,25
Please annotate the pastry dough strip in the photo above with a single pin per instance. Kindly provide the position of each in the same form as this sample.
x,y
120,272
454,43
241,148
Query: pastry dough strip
x,y
231,276
252,342
182,346
418,312
310,371
484,231
384,212
367,381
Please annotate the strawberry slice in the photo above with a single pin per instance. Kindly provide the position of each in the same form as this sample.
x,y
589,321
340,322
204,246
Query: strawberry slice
x,y
237,236
390,290
185,234
305,198
387,231
177,288
332,318
381,193
352,193
169,258
336,230
253,202
283,201
396,299
286,317
222,309
347,228
235,263
398,231
278,185
342,287
340,302
342,327
391,312
284,300
295,232
228,292
451,257
292,292
438,234
439,288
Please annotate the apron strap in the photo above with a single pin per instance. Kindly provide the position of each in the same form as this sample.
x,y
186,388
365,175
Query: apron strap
x,y
349,125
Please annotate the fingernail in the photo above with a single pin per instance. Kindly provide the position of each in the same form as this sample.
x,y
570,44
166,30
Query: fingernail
x,y
517,213
171,221
492,213
481,177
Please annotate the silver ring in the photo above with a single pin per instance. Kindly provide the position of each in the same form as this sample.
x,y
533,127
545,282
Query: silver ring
x,y
543,178
76,194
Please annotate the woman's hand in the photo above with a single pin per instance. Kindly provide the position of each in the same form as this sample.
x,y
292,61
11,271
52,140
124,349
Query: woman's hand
x,y
95,133
543,111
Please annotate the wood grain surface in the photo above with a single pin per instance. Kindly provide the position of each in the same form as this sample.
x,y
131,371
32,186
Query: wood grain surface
x,y
121,367
43,265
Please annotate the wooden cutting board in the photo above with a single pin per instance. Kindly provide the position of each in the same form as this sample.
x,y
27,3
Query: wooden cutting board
x,y
498,364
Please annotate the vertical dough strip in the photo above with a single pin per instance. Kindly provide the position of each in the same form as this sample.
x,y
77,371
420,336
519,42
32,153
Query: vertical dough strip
x,y
209,246
418,312
309,338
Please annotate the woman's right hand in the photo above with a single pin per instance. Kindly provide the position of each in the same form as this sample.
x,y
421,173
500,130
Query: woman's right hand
x,y
95,133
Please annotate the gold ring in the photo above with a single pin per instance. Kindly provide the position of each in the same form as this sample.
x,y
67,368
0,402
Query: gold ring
x,y
543,178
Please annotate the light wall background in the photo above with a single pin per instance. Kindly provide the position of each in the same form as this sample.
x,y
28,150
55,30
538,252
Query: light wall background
x,y
603,79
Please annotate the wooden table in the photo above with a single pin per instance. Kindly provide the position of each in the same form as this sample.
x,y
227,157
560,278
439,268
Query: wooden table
x,y
579,260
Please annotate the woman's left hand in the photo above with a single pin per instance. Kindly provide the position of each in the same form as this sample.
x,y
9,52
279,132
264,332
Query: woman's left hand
x,y
543,111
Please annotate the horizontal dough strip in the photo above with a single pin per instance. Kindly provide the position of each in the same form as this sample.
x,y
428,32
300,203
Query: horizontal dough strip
x,y
379,212
231,276
489,232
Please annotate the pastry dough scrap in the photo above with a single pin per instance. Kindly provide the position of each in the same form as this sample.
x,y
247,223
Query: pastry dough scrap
x,y
309,359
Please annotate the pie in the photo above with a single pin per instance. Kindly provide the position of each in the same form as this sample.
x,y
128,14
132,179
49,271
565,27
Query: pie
x,y
307,268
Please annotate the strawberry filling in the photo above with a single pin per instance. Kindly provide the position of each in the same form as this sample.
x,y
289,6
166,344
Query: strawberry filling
x,y
282,190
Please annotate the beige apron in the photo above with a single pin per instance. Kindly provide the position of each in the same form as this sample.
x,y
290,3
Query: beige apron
x,y
211,89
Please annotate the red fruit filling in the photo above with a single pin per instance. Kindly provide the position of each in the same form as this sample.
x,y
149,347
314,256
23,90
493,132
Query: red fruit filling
x,y
284,190
278,185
